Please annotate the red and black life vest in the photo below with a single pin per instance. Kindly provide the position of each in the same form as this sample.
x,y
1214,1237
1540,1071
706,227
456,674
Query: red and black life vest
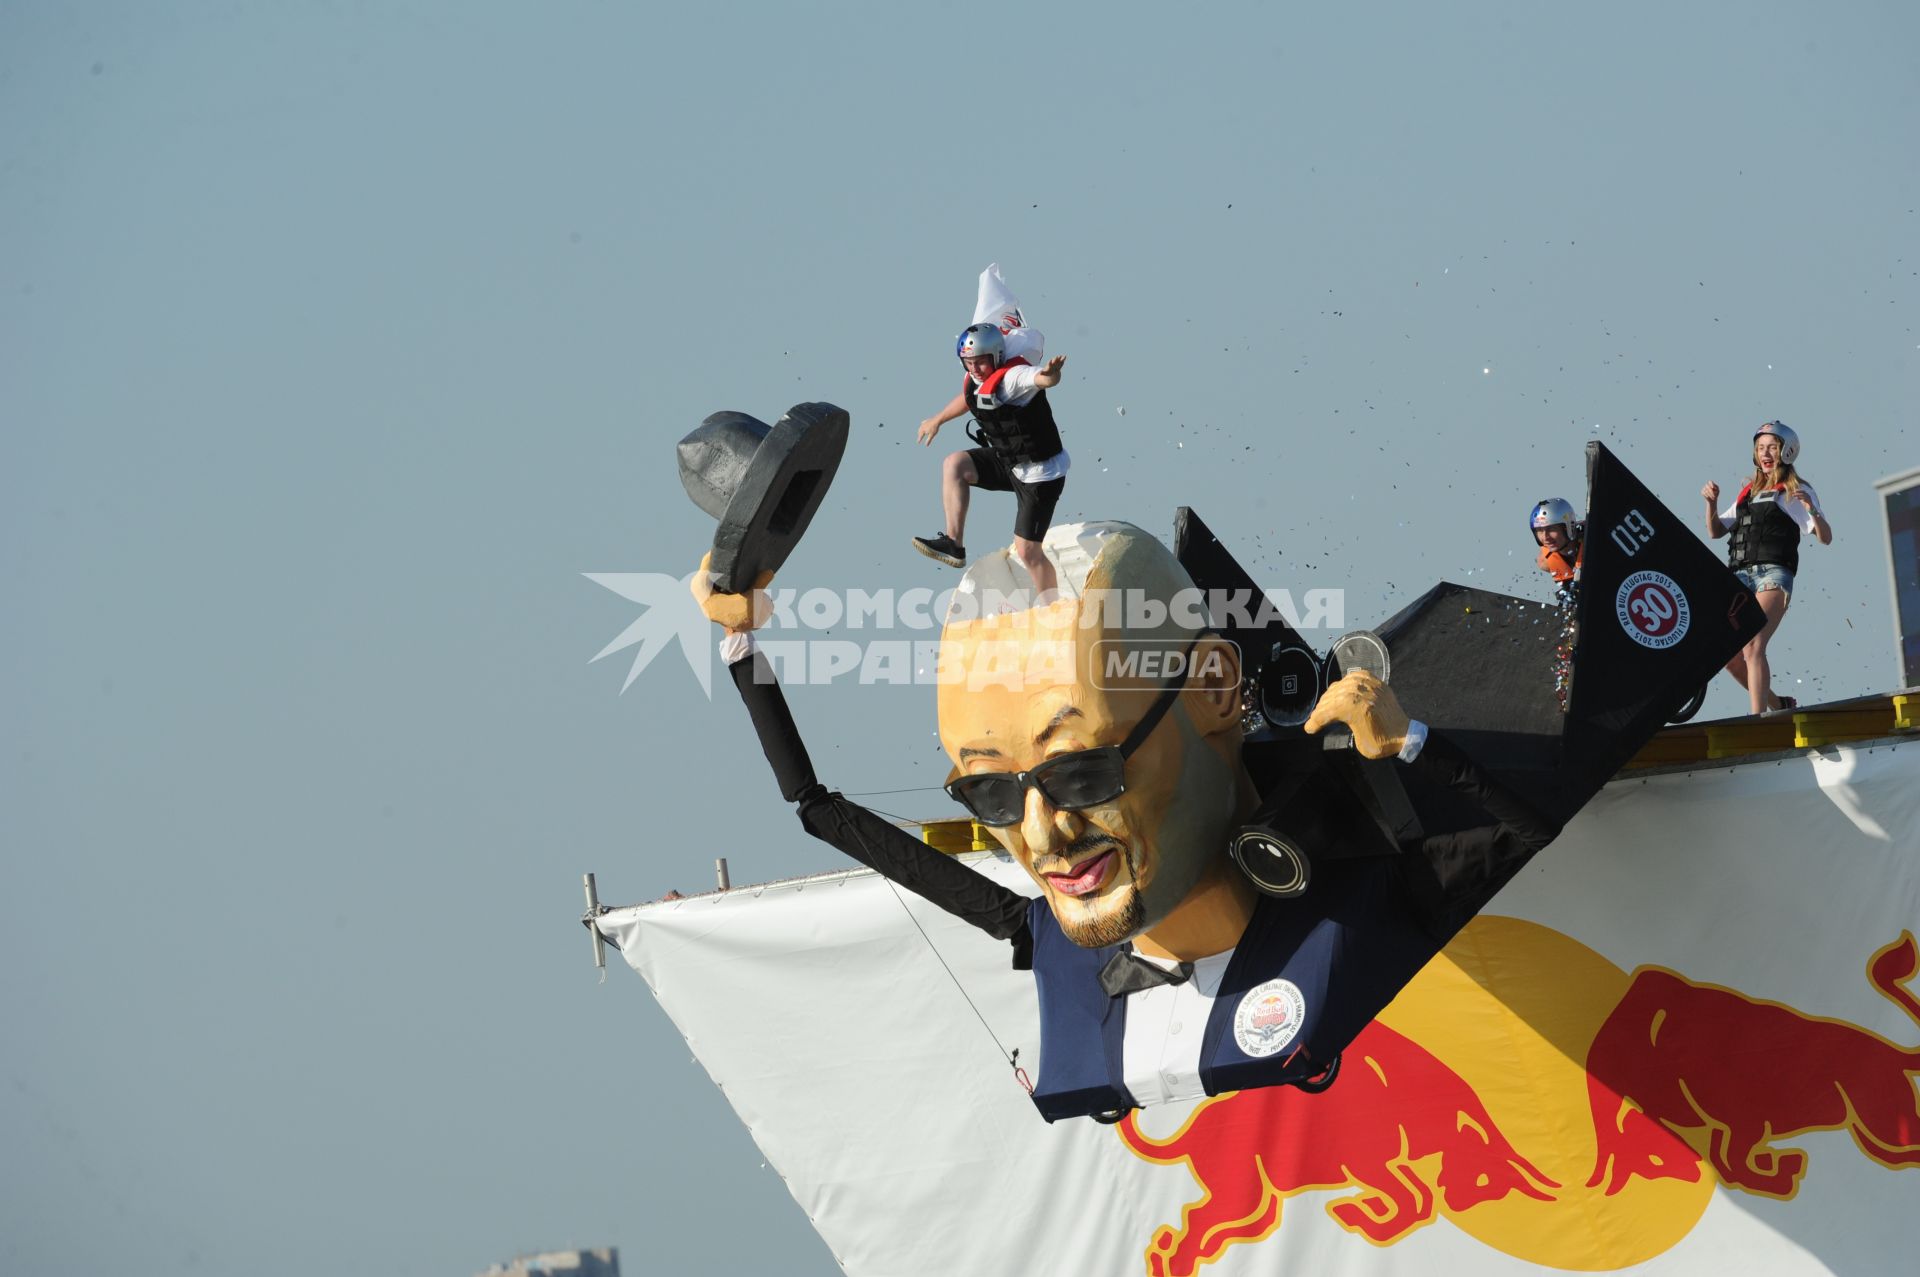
x,y
1763,533
1017,434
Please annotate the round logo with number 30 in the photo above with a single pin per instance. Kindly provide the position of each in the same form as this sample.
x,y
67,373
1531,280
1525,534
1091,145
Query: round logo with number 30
x,y
1652,609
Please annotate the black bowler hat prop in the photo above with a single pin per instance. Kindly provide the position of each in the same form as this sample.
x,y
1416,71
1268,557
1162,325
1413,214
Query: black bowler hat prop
x,y
762,483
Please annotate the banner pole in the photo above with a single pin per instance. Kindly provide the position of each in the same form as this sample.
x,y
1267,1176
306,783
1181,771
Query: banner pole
x,y
593,922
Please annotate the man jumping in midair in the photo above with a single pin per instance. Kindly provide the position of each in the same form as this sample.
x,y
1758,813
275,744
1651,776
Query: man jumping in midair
x,y
1020,451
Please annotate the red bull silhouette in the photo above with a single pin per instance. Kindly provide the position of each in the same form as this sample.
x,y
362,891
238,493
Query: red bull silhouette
x,y
1677,1056
1392,1104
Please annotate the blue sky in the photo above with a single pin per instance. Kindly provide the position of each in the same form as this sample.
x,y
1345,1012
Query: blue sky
x,y
337,341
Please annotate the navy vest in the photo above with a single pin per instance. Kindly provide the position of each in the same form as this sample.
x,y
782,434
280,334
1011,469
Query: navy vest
x,y
1346,947
1017,434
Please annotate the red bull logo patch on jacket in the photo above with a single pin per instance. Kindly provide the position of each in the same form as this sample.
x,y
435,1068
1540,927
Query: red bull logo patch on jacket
x,y
1269,1018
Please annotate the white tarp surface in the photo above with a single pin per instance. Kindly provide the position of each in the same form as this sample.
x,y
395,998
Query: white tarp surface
x,y
1701,939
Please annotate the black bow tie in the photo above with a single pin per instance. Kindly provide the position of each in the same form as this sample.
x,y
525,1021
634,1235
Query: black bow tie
x,y
1127,972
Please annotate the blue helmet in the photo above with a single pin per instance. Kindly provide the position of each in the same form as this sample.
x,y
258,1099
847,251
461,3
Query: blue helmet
x,y
981,339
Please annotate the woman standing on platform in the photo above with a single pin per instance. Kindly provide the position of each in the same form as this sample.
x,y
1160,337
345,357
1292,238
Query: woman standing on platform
x,y
1766,521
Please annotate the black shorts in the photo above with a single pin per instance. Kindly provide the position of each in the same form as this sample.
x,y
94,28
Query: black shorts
x,y
1037,500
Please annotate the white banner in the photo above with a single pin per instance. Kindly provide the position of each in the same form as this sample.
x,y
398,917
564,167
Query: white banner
x,y
1682,1039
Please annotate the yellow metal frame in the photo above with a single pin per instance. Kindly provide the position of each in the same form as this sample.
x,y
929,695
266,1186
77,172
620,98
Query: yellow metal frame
x,y
1813,728
1761,735
1776,733
957,836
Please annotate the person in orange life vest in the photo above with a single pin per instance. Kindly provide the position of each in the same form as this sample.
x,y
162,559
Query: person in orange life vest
x,y
1562,539
1766,521
1020,451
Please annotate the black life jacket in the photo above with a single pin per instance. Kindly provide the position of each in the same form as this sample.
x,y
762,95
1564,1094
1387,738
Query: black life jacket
x,y
1017,435
1763,533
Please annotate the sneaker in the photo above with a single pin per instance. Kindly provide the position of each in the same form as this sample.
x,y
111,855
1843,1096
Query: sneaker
x,y
943,548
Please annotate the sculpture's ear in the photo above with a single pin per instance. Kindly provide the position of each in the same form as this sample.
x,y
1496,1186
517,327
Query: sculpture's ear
x,y
1213,691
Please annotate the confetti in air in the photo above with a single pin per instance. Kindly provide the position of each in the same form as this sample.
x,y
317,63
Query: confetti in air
x,y
1567,597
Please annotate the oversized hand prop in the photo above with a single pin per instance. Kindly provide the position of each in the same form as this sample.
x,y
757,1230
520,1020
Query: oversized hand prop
x,y
1369,709
734,612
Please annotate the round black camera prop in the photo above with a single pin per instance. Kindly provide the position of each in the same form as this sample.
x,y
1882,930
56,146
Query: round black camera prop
x,y
1361,650
1271,863
1289,685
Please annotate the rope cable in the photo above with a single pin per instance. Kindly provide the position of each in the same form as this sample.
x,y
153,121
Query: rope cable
x,y
1011,1059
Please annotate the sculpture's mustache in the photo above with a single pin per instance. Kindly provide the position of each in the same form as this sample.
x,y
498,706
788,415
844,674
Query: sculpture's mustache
x,y
1082,849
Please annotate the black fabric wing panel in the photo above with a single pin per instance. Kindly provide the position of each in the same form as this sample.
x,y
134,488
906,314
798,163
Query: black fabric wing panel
x,y
1660,614
1480,667
1215,571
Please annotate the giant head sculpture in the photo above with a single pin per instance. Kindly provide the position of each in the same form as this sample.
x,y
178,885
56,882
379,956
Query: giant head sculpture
x,y
1098,735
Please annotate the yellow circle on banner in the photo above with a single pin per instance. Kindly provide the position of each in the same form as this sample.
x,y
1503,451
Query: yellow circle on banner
x,y
1513,1007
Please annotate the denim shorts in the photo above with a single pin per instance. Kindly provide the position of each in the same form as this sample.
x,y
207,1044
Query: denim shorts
x,y
1766,576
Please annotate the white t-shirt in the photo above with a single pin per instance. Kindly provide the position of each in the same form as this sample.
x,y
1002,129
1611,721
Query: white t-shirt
x,y
1017,388
1799,508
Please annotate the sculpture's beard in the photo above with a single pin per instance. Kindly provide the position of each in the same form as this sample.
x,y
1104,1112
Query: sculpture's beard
x,y
1116,914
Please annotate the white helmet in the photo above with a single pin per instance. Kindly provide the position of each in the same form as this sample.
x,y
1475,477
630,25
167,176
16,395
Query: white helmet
x,y
1551,511
1789,441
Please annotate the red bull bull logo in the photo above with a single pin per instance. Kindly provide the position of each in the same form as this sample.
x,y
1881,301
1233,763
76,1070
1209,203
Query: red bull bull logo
x,y
1739,1074
1392,1107
1546,1103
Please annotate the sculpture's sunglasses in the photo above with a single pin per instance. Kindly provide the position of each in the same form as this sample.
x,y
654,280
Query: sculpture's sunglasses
x,y
1069,782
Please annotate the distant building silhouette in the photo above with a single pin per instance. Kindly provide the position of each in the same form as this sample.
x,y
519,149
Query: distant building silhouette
x,y
1900,503
601,1262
